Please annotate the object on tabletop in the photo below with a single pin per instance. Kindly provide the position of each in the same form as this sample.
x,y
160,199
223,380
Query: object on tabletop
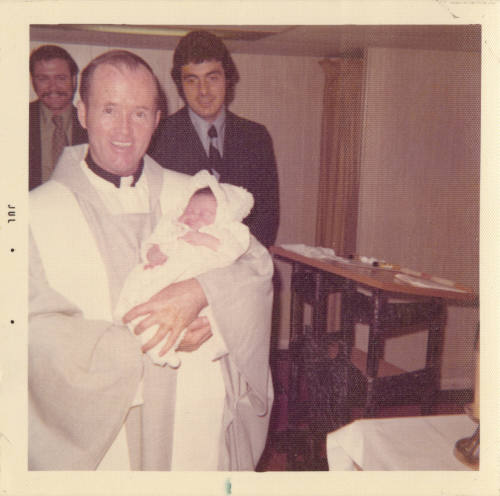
x,y
402,275
467,449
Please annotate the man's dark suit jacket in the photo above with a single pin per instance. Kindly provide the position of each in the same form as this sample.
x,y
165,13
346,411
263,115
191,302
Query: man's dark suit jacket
x,y
248,160
79,135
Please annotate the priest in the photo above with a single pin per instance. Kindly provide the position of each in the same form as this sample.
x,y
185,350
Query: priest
x,y
96,401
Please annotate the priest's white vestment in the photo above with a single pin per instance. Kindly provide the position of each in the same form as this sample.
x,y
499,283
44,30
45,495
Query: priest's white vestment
x,y
85,370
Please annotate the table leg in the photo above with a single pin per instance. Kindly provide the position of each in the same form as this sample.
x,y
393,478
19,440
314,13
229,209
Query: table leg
x,y
318,397
306,350
294,364
375,348
433,357
347,321
319,310
296,333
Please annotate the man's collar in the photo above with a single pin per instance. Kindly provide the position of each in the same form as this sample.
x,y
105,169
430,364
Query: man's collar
x,y
203,126
109,176
46,114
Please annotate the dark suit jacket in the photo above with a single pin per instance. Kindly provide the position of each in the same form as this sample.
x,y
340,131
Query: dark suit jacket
x,y
79,135
248,161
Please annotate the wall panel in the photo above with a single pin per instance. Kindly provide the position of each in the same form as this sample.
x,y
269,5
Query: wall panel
x,y
419,194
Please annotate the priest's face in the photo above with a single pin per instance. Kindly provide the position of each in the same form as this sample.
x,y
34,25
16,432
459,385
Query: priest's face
x,y
120,116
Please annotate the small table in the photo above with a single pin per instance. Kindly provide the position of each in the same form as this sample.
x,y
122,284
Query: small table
x,y
370,295
408,443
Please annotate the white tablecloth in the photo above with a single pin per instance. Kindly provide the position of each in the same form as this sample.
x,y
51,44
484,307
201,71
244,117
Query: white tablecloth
x,y
407,443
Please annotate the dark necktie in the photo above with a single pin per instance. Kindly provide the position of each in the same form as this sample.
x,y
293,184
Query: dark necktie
x,y
59,140
214,158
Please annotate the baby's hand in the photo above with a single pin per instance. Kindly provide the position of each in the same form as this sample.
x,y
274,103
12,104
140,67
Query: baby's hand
x,y
155,257
201,239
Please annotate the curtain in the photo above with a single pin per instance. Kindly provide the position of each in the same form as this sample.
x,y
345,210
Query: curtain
x,y
340,155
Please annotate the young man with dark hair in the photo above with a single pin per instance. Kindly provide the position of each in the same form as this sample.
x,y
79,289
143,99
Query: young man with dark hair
x,y
53,120
206,135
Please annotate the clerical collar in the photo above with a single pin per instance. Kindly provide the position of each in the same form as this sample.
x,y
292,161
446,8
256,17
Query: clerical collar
x,y
109,176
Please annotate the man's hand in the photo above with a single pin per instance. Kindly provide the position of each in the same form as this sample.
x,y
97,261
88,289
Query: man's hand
x,y
172,309
197,333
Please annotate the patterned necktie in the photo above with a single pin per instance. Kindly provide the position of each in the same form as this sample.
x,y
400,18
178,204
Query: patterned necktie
x,y
214,158
59,140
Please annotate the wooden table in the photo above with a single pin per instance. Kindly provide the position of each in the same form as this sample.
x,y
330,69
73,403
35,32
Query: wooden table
x,y
370,295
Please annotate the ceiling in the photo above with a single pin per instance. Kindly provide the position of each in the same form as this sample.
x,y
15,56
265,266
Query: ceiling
x,y
316,41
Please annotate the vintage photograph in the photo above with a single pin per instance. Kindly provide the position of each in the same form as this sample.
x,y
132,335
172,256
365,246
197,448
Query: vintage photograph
x,y
253,248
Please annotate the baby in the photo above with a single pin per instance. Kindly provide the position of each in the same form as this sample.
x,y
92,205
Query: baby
x,y
200,230
200,212
206,235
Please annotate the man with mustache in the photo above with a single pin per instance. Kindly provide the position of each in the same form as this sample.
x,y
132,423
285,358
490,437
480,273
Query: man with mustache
x,y
53,119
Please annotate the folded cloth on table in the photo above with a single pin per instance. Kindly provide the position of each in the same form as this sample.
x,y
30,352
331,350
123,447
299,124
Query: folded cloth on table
x,y
312,251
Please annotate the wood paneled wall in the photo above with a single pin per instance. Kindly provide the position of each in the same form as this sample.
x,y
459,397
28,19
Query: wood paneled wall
x,y
419,194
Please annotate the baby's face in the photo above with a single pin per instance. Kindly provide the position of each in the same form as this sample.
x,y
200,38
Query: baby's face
x,y
200,211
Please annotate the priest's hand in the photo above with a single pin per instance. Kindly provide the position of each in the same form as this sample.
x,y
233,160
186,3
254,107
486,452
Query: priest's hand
x,y
172,309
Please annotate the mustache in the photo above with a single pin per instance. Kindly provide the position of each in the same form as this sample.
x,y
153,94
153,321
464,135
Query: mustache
x,y
55,93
